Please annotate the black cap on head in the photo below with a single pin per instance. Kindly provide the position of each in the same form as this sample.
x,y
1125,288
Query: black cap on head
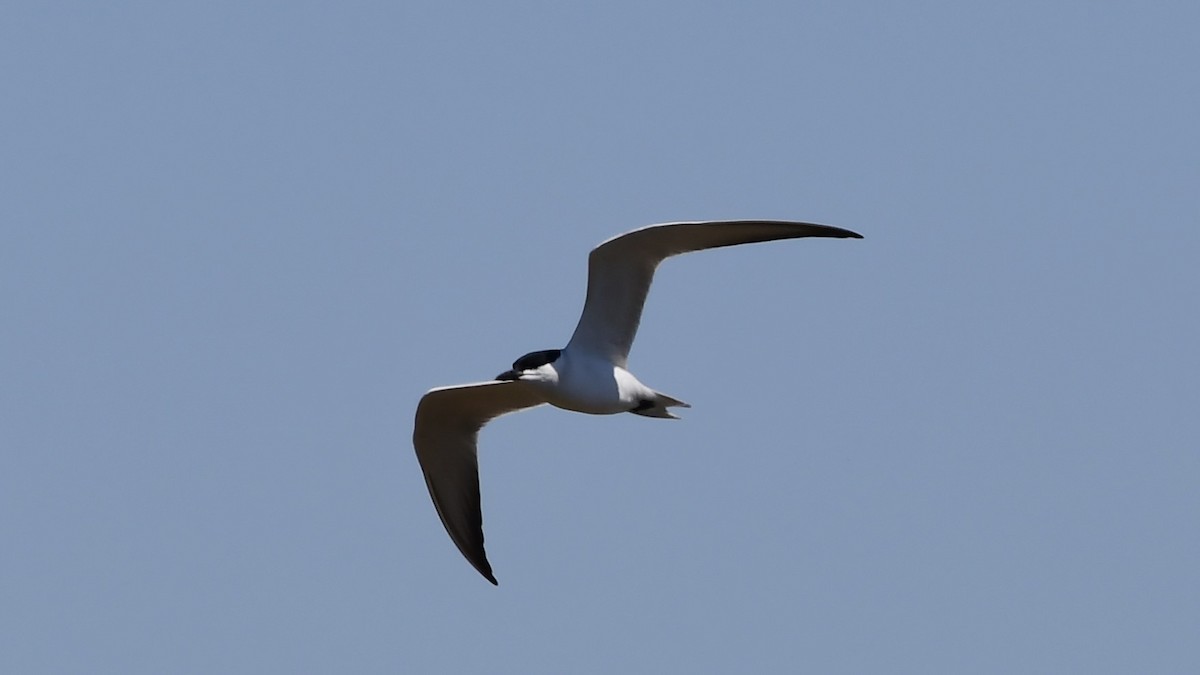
x,y
534,360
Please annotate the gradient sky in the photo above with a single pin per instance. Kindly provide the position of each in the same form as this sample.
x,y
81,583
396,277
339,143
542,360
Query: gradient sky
x,y
240,240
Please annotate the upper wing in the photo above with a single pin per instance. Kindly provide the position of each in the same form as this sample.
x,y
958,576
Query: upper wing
x,y
620,271
447,426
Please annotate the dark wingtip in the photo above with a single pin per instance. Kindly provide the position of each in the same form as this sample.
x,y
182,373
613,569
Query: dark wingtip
x,y
486,570
832,231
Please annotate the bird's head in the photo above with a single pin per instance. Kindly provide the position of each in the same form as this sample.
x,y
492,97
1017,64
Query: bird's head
x,y
533,367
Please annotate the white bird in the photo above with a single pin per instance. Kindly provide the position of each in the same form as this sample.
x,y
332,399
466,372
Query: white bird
x,y
588,375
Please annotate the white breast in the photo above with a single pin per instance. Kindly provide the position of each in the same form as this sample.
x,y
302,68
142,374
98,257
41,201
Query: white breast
x,y
594,385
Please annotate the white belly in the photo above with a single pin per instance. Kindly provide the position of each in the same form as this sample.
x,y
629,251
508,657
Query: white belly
x,y
596,387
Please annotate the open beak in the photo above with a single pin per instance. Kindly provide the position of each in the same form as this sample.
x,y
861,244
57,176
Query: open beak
x,y
508,376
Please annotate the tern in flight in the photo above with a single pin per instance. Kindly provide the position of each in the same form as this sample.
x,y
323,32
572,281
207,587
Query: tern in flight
x,y
589,375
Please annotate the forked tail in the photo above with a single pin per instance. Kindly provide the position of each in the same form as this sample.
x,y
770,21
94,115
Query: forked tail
x,y
658,407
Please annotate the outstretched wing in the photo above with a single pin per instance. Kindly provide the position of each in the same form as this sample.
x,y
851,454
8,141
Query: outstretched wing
x,y
444,436
621,269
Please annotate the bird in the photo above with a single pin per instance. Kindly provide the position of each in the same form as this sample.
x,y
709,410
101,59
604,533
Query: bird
x,y
589,375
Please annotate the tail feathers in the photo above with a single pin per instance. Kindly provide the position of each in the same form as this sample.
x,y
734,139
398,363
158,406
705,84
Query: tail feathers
x,y
669,402
658,407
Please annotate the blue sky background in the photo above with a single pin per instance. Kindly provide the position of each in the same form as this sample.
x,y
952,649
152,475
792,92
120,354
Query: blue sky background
x,y
240,240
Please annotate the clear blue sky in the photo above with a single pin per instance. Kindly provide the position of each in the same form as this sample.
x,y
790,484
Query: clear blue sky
x,y
240,240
